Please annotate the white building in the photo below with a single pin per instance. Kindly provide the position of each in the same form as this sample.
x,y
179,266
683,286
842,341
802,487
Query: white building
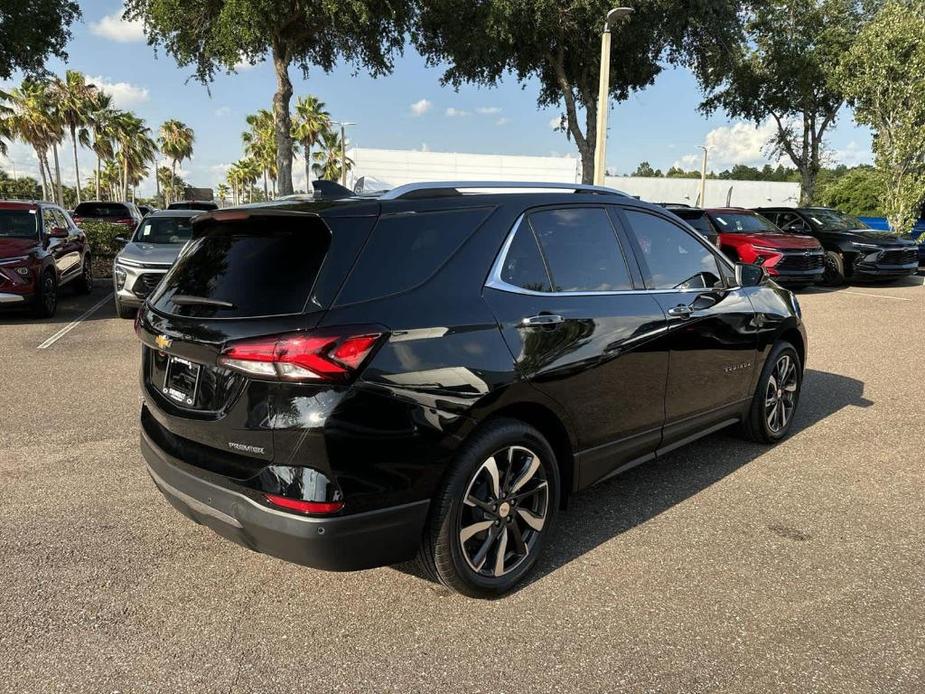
x,y
387,168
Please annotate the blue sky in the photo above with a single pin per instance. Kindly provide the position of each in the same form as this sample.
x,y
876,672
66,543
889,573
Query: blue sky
x,y
405,110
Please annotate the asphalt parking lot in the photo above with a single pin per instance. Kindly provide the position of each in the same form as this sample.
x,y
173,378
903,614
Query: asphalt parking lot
x,y
726,566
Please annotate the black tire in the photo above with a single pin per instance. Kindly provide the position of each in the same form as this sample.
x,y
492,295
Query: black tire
x,y
125,311
454,561
761,424
834,272
46,299
84,283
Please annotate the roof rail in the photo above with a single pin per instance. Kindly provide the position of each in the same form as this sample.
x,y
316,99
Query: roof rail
x,y
447,188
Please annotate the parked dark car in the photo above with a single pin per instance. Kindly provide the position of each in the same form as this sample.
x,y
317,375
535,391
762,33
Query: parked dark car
x,y
852,249
125,213
146,210
202,205
41,250
147,256
697,218
431,372
794,260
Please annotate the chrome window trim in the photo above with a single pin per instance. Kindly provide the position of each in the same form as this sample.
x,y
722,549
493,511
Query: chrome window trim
x,y
494,280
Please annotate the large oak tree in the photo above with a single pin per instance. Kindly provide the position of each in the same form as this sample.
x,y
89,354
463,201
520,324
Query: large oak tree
x,y
557,43
212,35
31,30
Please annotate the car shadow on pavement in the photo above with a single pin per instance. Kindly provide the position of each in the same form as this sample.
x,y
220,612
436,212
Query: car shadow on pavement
x,y
70,306
601,513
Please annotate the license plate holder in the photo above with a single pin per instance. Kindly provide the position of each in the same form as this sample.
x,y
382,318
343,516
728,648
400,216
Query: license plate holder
x,y
181,381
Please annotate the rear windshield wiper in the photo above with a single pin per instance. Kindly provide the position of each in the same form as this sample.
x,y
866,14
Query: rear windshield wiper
x,y
188,300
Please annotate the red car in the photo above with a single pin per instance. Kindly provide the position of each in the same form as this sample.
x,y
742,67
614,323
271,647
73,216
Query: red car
x,y
125,213
747,237
41,250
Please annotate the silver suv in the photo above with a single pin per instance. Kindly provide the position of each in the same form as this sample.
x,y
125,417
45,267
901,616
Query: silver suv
x,y
148,255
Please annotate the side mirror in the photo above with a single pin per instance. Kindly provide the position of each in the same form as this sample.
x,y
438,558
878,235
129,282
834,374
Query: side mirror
x,y
58,233
121,239
750,275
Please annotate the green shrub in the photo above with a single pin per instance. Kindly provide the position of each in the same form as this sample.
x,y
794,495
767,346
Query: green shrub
x,y
102,237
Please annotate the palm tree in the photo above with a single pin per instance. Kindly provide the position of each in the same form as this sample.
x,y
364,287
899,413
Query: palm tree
x,y
101,120
110,177
260,144
74,99
222,190
136,147
176,141
311,122
328,164
6,121
28,120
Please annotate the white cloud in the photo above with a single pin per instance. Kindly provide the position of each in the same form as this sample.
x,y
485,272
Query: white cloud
x,y
488,110
419,108
455,113
555,123
739,143
243,64
502,121
115,28
852,155
124,95
222,111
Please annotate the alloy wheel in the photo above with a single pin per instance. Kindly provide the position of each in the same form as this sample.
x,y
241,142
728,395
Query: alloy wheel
x,y
780,395
504,511
49,296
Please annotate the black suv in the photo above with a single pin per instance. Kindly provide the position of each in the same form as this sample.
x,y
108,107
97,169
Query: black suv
x,y
430,373
852,249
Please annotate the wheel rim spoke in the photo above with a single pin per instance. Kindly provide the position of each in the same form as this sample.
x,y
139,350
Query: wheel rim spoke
x,y
478,561
534,521
541,487
532,466
500,555
472,500
470,531
491,467
517,538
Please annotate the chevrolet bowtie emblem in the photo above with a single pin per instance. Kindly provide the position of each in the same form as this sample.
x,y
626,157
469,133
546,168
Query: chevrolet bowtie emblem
x,y
162,342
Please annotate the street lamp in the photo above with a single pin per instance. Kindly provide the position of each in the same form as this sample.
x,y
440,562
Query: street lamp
x,y
343,151
603,96
703,175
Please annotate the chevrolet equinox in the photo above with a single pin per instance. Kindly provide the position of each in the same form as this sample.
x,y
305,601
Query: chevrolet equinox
x,y
428,373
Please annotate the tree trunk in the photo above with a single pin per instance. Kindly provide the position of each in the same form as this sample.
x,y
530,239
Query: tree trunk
x,y
807,186
124,176
308,167
39,156
99,164
282,121
60,199
51,179
173,177
587,164
76,167
266,185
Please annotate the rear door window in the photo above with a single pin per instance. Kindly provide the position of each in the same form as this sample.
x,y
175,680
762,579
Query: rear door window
x,y
406,250
674,258
524,266
581,250
253,267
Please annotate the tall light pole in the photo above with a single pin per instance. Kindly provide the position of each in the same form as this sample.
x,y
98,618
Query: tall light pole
x,y
603,95
343,150
703,176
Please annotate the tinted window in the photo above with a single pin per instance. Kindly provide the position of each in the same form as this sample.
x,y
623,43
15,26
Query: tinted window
x,y
741,222
523,264
406,250
165,230
18,224
696,218
581,250
833,220
260,266
676,260
789,220
101,209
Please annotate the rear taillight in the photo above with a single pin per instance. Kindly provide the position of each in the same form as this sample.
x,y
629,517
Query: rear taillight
x,y
125,220
299,506
301,357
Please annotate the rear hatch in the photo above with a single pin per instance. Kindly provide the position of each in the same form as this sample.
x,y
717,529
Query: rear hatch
x,y
247,274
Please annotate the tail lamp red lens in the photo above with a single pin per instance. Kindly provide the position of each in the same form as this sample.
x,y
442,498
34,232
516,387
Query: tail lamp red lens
x,y
301,357
308,507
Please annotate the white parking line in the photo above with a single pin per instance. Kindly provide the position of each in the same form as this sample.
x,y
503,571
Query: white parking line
x,y
876,296
73,324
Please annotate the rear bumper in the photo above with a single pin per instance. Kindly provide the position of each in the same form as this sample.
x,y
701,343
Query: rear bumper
x,y
342,543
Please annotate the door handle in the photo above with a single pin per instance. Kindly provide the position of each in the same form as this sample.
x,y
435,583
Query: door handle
x,y
680,311
542,320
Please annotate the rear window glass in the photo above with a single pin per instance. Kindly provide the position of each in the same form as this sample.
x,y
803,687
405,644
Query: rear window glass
x,y
101,209
696,219
18,224
733,222
406,250
239,269
165,230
